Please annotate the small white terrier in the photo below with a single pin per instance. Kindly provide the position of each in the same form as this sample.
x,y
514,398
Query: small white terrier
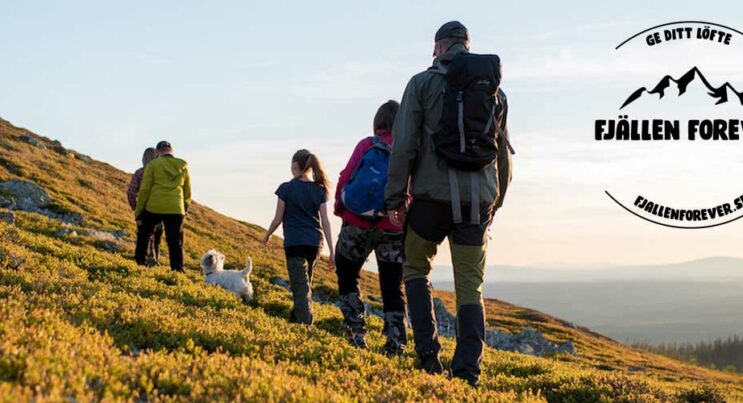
x,y
237,281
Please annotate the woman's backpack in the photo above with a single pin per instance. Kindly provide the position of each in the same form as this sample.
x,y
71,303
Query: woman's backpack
x,y
363,195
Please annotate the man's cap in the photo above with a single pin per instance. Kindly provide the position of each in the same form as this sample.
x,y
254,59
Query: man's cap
x,y
452,29
163,145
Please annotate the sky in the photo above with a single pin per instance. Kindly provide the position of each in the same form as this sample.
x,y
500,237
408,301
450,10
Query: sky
x,y
238,86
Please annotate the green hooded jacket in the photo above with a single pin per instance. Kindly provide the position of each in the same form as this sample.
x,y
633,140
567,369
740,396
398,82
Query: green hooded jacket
x,y
414,161
165,187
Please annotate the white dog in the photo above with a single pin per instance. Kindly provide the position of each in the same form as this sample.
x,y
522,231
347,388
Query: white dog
x,y
212,265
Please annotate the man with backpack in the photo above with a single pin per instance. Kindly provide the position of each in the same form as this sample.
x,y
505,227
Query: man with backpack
x,y
359,201
451,144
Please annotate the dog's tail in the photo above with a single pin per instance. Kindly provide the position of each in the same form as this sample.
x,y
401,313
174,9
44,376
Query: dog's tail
x,y
248,268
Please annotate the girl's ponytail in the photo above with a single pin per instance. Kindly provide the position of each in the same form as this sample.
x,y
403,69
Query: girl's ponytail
x,y
308,160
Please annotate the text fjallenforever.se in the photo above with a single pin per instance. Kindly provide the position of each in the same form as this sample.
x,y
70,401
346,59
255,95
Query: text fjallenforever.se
x,y
702,214
659,129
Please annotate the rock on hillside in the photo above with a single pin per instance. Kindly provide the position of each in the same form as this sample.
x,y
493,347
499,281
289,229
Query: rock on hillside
x,y
27,196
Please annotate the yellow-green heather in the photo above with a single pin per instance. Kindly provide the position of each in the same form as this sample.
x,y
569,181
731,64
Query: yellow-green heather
x,y
79,320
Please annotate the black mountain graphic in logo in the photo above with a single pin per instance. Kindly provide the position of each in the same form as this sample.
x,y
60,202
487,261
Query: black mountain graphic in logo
x,y
720,93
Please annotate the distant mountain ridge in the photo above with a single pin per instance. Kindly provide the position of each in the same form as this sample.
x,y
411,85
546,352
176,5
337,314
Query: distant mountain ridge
x,y
719,93
713,268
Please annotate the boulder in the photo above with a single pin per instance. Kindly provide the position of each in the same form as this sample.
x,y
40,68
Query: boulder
x,y
567,348
71,218
82,157
110,241
57,146
64,231
445,321
107,236
7,217
28,196
529,341
525,349
32,140
7,203
111,246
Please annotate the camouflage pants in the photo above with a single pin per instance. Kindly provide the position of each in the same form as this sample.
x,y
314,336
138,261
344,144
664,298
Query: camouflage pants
x,y
394,329
356,244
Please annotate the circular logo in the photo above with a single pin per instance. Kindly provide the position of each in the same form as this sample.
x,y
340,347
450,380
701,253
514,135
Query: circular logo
x,y
675,135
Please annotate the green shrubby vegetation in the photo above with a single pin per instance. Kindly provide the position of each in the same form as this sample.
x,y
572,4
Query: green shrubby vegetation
x,y
78,321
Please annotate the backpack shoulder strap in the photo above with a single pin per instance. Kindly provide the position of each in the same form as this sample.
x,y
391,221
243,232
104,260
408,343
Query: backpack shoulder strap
x,y
502,119
378,143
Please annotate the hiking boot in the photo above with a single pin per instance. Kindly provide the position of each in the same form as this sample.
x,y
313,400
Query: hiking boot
x,y
357,340
393,349
353,311
431,364
470,343
394,330
425,335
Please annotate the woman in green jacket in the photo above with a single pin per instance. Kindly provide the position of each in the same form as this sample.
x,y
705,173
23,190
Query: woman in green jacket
x,y
164,197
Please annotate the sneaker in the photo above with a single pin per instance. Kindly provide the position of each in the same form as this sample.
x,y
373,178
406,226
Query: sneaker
x,y
357,340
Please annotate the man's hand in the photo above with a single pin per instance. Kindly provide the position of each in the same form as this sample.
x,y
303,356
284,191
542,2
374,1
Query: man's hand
x,y
266,240
397,216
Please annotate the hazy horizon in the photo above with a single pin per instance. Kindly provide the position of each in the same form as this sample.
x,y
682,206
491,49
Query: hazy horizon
x,y
631,310
679,302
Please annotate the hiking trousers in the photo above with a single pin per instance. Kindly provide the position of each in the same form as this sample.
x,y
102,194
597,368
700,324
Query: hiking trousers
x,y
153,253
300,262
153,247
147,223
428,224
354,245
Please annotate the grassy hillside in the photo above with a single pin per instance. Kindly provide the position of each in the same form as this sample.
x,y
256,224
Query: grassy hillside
x,y
80,321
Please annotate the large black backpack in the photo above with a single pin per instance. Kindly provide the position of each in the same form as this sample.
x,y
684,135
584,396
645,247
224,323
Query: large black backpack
x,y
468,132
